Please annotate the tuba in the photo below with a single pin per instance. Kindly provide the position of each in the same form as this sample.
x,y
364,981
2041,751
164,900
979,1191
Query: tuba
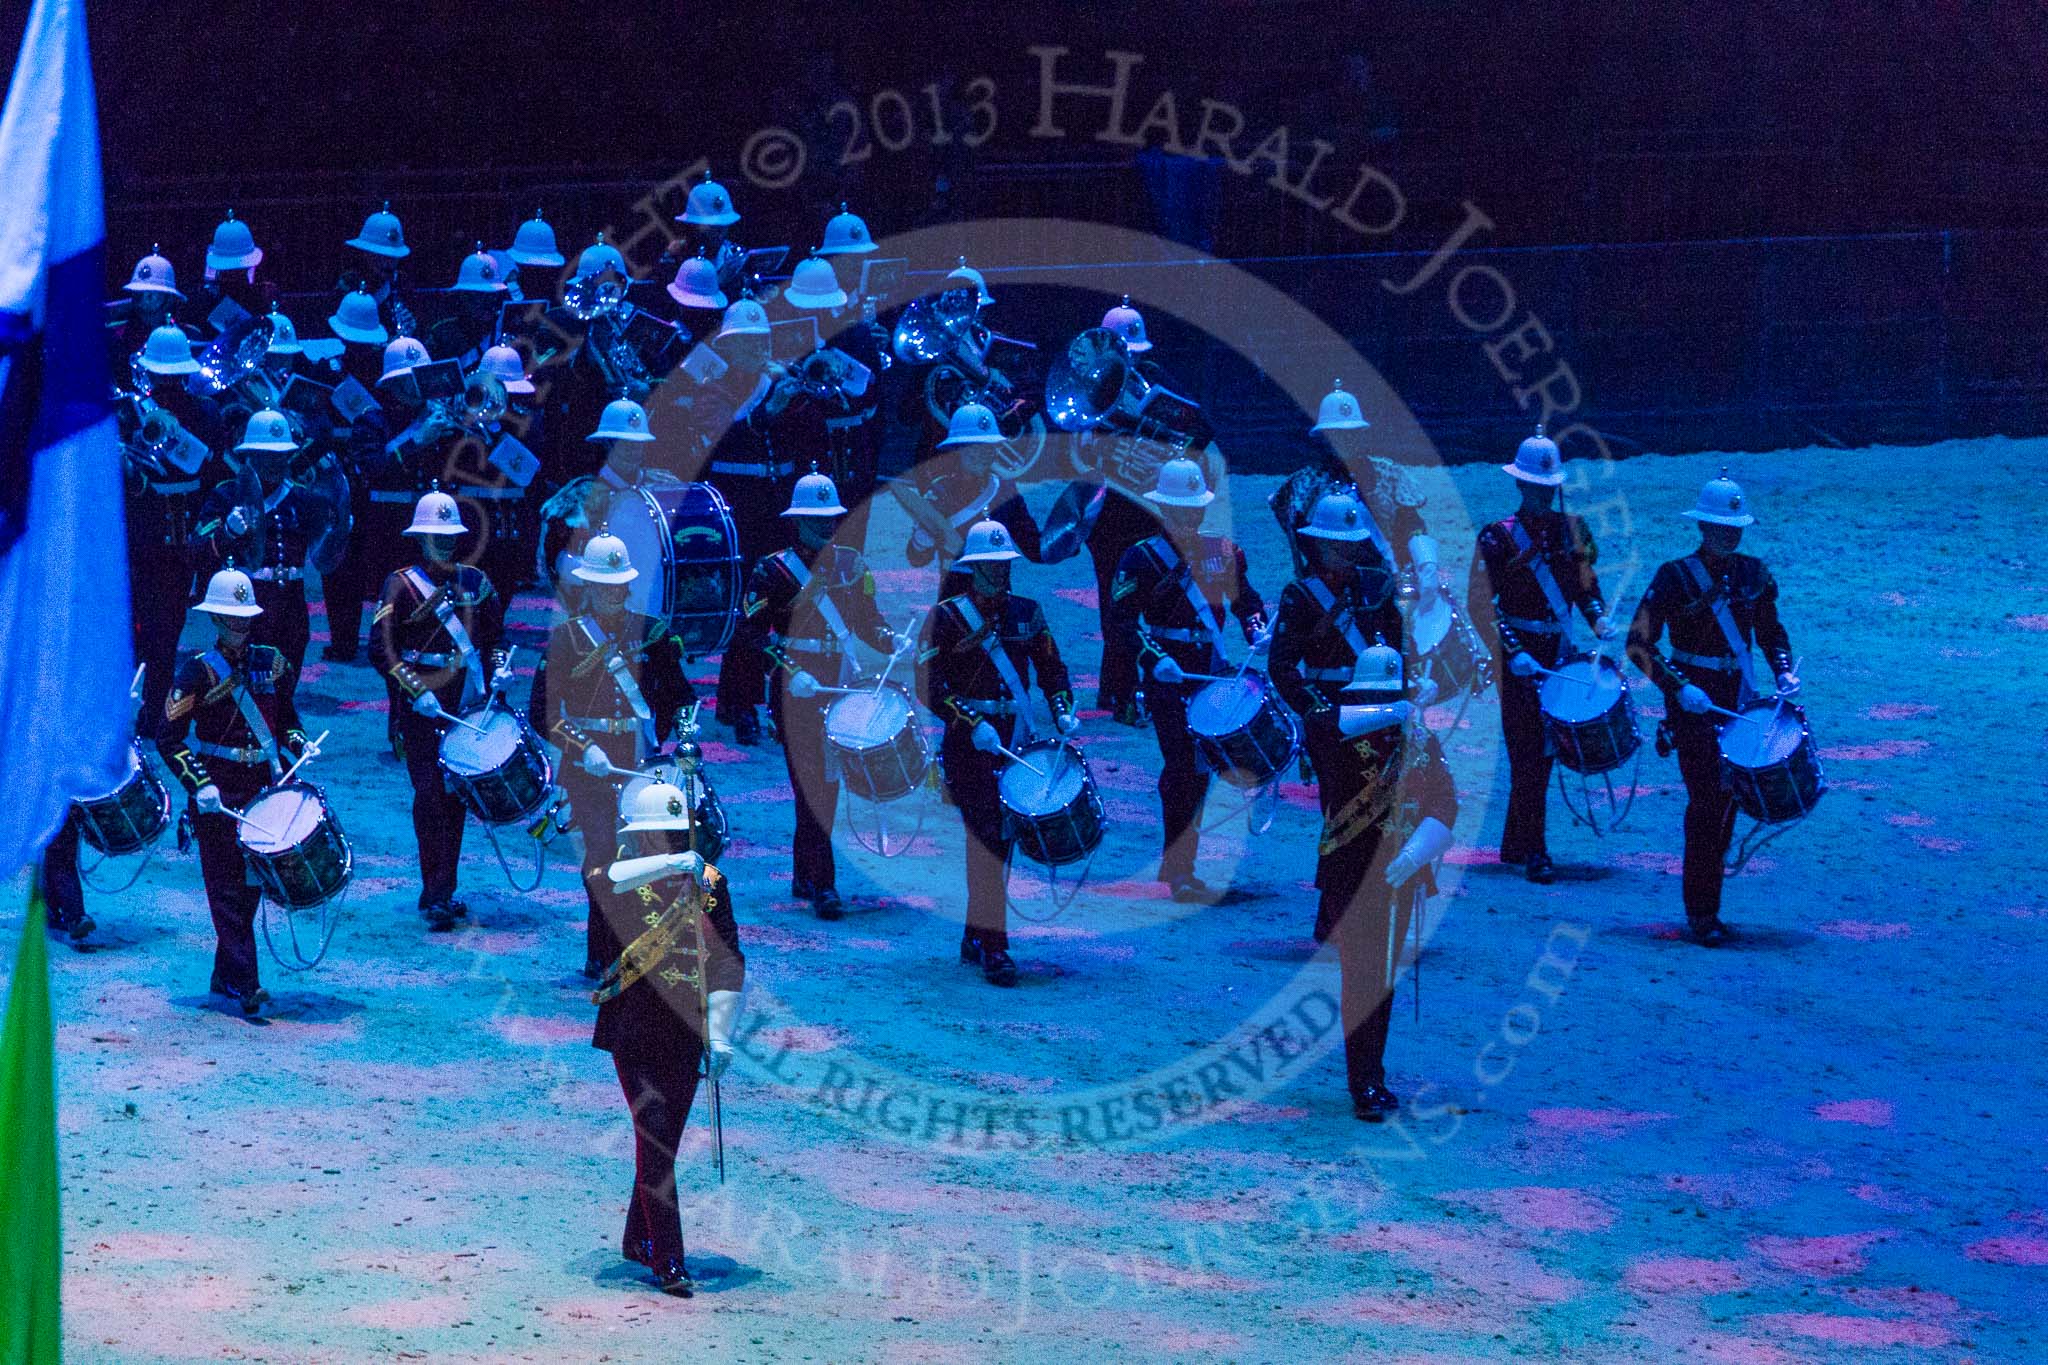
x,y
1094,386
600,302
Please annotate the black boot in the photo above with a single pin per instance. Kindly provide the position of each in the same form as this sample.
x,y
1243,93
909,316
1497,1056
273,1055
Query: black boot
x,y
970,950
1540,869
997,968
828,905
639,1251
251,1000
746,728
671,1277
1709,932
78,926
439,915
1374,1102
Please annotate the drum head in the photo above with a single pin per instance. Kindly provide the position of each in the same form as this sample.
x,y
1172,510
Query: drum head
x,y
472,754
132,771
1586,689
1431,625
287,817
1064,774
867,720
1766,736
638,520
1226,707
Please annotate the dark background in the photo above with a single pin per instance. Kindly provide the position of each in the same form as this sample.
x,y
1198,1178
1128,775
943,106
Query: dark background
x,y
1746,224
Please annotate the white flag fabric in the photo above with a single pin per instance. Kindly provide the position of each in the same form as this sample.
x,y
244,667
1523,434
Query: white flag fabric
x,y
65,650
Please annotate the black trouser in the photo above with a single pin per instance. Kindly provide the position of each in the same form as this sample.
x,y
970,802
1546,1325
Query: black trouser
x,y
159,594
757,516
437,813
971,777
1183,782
377,547
284,625
1355,911
63,892
1709,809
659,1089
1529,760
231,894
1121,524
504,548
801,725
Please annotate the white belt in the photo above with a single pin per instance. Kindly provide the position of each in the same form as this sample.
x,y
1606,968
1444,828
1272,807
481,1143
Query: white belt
x,y
211,750
414,656
758,471
1533,627
490,494
171,490
990,707
282,575
392,495
812,646
1720,663
1336,675
606,726
1181,635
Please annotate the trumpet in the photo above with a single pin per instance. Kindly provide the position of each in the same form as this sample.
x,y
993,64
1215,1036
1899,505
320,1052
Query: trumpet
x,y
482,403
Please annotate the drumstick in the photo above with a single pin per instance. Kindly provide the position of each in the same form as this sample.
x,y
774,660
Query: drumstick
x,y
1019,758
311,750
1211,677
454,719
1737,715
135,687
1583,682
263,830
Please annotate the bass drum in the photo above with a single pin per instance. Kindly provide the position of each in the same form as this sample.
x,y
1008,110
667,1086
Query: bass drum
x,y
682,539
1054,811
1769,763
1588,716
129,818
295,846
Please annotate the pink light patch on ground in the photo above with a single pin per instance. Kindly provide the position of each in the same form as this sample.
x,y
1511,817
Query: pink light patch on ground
x,y
1840,1254
2009,1250
1668,864
1538,1208
787,940
1911,819
1884,748
1900,710
1863,930
2031,622
1393,1308
803,1038
1473,857
411,1313
715,752
1133,890
1869,1113
1852,1331
1938,844
1592,1122
1080,597
523,1030
1683,1275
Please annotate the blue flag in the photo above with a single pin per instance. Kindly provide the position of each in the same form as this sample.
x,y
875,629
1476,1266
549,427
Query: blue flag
x,y
65,651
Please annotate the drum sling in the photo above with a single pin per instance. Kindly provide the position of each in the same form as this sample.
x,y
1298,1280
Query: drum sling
x,y
795,567
992,645
1341,618
438,601
622,673
1726,620
1539,569
252,716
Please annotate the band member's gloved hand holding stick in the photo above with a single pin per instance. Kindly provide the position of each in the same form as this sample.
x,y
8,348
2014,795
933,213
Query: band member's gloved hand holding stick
x,y
1168,670
595,761
428,705
1604,627
803,685
1524,665
1066,722
1430,841
1359,720
207,800
986,739
1694,699
721,1011
1788,685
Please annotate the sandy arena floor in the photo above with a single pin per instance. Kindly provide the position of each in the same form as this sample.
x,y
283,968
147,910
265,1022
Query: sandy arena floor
x,y
1821,1144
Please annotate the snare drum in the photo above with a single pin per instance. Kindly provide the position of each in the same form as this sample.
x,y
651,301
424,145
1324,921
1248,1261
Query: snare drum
x,y
709,832
295,846
682,539
1242,731
1769,763
1055,815
129,818
1451,651
502,776
1588,716
880,747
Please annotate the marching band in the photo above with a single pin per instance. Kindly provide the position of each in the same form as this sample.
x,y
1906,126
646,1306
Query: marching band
x,y
260,461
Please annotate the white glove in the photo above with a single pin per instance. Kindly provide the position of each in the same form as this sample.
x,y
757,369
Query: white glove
x,y
1167,671
1788,685
1694,699
237,524
1428,843
1357,720
901,642
500,682
1603,627
721,1011
689,865
1425,692
986,739
595,761
428,705
1523,665
1066,722
802,684
207,799
1262,639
